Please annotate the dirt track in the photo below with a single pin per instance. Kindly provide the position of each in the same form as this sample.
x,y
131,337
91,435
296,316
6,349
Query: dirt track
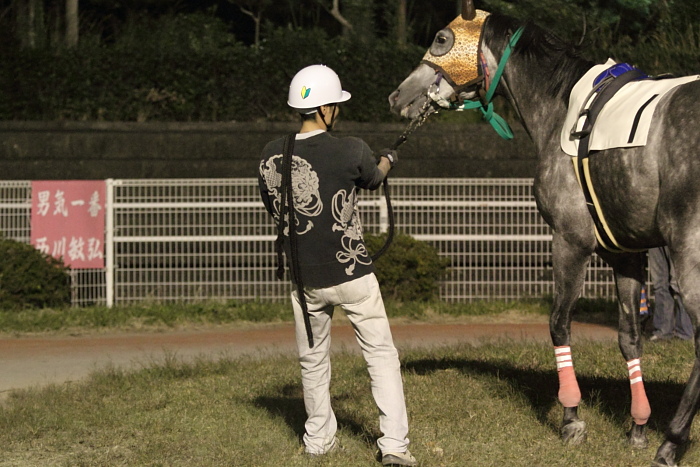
x,y
35,361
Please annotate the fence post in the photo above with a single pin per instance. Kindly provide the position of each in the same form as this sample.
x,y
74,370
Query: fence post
x,y
109,243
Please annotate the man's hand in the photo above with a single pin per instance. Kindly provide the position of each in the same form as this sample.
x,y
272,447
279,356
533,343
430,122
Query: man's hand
x,y
391,155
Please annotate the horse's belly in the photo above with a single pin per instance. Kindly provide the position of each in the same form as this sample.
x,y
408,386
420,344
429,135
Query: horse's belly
x,y
625,199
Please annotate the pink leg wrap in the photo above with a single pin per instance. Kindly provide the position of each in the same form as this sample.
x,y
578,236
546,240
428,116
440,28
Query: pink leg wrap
x,y
640,404
569,392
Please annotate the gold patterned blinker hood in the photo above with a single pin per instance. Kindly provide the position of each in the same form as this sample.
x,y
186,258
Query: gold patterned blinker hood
x,y
459,64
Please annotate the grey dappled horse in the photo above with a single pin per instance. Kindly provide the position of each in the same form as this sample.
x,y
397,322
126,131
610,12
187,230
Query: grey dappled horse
x,y
650,194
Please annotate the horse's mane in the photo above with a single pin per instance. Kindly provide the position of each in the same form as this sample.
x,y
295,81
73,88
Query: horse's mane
x,y
557,63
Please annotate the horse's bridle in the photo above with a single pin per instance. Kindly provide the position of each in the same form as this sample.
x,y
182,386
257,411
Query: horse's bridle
x,y
485,92
486,86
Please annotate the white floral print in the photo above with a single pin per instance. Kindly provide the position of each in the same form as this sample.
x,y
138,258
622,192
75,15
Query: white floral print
x,y
348,222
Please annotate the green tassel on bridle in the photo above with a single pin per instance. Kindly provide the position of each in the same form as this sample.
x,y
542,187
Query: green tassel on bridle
x,y
486,105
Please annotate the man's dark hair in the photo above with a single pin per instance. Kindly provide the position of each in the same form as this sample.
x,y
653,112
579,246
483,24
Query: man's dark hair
x,y
307,117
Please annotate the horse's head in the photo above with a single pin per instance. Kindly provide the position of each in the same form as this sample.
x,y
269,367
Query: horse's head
x,y
451,66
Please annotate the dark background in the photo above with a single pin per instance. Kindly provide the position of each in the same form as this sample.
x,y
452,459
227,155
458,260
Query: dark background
x,y
151,88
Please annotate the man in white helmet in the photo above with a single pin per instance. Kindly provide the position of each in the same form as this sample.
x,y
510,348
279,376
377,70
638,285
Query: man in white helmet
x,y
329,261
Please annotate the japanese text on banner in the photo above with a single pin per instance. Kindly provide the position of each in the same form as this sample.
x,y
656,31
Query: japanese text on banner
x,y
68,220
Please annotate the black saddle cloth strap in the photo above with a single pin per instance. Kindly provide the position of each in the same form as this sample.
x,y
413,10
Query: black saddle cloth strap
x,y
287,212
605,93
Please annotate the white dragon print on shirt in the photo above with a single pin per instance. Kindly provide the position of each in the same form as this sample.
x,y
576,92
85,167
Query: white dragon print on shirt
x,y
307,200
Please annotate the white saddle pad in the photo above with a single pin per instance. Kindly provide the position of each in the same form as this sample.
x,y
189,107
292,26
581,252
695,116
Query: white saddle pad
x,y
615,126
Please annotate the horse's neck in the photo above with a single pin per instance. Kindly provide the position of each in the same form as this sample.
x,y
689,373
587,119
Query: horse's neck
x,y
540,95
541,113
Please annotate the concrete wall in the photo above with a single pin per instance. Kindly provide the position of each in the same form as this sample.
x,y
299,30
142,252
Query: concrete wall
x,y
99,150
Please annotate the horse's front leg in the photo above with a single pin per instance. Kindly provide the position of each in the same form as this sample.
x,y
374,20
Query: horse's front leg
x,y
629,274
569,264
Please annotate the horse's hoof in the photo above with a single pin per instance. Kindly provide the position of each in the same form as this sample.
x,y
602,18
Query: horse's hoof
x,y
666,455
574,432
662,463
637,437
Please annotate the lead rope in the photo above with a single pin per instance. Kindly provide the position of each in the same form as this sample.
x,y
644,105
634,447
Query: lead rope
x,y
287,208
410,128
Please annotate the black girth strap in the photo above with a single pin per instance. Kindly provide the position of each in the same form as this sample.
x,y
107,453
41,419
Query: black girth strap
x,y
287,212
605,91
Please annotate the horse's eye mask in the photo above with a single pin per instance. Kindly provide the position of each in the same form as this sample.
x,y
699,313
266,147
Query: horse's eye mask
x,y
455,50
443,43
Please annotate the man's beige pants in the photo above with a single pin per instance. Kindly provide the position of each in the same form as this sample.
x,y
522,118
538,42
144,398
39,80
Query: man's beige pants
x,y
362,302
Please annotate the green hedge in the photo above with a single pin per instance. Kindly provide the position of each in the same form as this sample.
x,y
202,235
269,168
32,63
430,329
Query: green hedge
x,y
229,82
31,279
410,270
191,68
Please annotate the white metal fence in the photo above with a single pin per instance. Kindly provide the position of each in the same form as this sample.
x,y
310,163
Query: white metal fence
x,y
199,239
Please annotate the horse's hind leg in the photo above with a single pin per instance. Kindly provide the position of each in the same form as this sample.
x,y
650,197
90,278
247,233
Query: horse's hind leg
x,y
687,268
679,429
570,264
629,274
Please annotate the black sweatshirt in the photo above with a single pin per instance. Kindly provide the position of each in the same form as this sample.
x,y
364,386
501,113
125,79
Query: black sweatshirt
x,y
326,172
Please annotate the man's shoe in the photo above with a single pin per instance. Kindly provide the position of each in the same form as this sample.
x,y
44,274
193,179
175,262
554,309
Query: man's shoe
x,y
399,458
683,338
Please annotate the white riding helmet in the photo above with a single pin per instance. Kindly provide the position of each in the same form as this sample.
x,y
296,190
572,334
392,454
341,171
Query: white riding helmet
x,y
314,86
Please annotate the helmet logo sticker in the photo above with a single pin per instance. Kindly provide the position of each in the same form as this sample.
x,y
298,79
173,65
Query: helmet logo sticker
x,y
305,92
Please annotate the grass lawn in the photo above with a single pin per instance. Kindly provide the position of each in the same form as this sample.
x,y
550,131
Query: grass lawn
x,y
487,405
160,317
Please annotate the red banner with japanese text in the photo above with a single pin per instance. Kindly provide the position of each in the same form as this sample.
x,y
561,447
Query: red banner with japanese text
x,y
68,221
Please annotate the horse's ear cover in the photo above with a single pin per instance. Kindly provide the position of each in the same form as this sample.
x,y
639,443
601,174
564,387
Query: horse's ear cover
x,y
468,10
460,66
